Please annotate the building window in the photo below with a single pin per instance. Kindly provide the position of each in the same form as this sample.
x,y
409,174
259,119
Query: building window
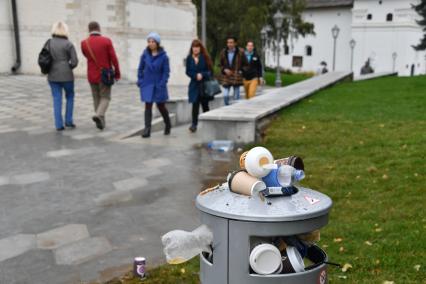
x,y
389,17
308,50
286,50
369,17
297,61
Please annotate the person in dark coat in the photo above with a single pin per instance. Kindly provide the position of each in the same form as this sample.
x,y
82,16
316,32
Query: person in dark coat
x,y
253,71
60,75
232,61
199,68
153,75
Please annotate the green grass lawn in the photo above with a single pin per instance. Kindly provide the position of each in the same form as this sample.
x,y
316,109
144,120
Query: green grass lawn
x,y
364,144
287,79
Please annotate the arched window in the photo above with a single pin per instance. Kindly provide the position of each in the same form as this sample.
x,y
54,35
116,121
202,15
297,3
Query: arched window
x,y
389,17
308,50
369,17
286,50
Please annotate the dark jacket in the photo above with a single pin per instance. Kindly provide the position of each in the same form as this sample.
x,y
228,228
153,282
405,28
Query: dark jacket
x,y
64,60
236,66
192,70
104,54
153,75
253,69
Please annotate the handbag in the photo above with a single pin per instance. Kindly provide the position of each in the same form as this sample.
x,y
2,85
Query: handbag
x,y
211,88
45,58
107,74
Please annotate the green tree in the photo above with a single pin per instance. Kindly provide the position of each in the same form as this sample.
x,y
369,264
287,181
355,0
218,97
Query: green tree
x,y
421,10
244,19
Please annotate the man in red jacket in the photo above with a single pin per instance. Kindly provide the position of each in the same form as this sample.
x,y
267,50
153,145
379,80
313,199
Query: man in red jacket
x,y
100,54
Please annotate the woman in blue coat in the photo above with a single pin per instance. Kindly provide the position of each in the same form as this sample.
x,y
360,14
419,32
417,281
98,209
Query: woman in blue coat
x,y
153,75
199,68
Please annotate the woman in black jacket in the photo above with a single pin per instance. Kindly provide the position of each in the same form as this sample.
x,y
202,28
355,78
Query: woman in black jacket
x,y
253,71
199,67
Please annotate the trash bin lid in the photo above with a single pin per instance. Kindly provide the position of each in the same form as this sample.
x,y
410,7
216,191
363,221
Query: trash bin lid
x,y
305,204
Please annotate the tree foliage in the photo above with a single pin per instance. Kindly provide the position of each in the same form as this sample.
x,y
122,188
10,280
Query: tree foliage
x,y
244,19
421,10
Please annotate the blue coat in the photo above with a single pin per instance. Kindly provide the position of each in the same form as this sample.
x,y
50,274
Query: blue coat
x,y
192,70
153,75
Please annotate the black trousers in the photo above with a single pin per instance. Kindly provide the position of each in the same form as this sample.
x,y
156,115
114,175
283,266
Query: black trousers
x,y
196,108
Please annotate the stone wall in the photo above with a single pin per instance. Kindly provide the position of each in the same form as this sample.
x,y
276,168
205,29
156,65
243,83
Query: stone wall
x,y
126,22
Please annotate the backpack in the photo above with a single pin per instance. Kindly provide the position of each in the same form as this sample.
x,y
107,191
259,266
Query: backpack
x,y
45,58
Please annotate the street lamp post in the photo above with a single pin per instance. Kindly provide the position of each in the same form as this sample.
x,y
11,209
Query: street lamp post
x,y
264,37
203,22
278,21
352,44
394,56
335,33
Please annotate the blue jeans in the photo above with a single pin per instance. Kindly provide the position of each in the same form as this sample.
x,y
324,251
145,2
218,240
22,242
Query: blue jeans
x,y
57,102
227,91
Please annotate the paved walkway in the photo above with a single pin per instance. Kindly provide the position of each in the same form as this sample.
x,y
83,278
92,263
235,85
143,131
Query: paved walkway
x,y
77,206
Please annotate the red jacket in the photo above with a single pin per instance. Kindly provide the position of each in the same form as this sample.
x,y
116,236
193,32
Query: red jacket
x,y
105,57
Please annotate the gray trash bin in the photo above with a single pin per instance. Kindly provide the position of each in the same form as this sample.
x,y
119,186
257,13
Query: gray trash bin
x,y
236,220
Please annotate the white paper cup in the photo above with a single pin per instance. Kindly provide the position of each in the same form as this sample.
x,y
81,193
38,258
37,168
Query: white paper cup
x,y
265,259
255,161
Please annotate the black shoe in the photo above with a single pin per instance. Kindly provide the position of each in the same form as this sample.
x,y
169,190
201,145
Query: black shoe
x,y
98,122
60,129
167,130
72,126
146,132
193,128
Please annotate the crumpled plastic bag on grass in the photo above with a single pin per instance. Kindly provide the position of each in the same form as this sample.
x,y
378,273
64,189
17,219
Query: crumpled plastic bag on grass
x,y
180,246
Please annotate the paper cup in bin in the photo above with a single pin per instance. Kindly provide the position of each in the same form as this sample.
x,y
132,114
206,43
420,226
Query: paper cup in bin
x,y
292,261
265,259
243,183
256,160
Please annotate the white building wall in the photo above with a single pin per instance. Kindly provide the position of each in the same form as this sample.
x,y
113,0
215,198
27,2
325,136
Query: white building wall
x,y
322,42
126,22
378,38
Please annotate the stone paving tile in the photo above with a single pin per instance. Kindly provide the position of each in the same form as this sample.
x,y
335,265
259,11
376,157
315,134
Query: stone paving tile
x,y
82,136
145,172
29,178
130,184
82,251
157,163
70,152
4,180
114,197
61,236
16,245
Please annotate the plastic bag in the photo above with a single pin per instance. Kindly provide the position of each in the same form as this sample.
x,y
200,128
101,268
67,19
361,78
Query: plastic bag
x,y
180,246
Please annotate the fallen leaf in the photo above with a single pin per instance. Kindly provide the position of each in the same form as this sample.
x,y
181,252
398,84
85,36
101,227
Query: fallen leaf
x,y
416,174
378,230
358,177
346,267
376,225
342,276
417,267
303,127
377,261
385,176
372,169
341,249
338,240
382,125
388,282
182,271
368,243
325,246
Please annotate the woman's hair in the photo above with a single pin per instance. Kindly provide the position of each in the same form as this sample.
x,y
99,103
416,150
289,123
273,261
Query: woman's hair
x,y
60,29
203,51
159,48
